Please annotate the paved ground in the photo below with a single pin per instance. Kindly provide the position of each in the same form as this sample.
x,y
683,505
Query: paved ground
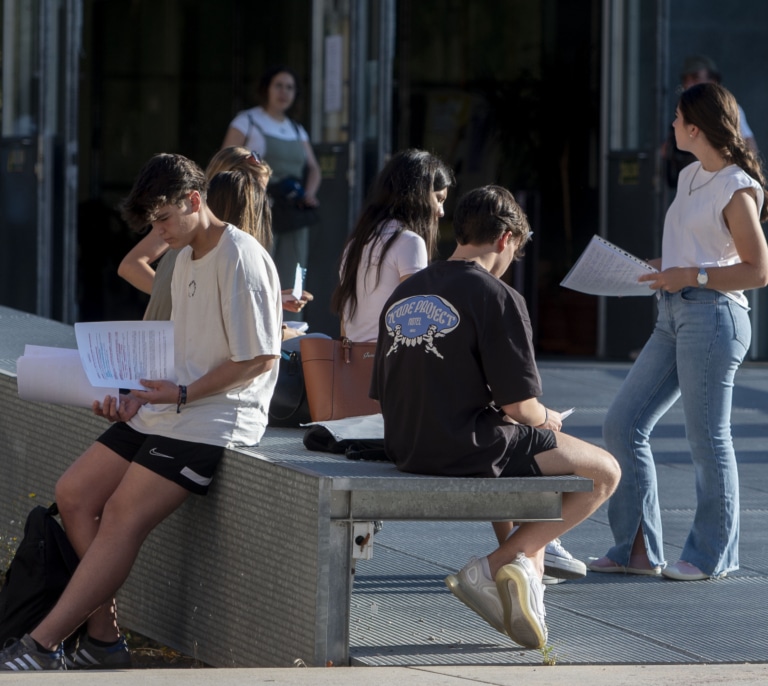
x,y
698,675
403,614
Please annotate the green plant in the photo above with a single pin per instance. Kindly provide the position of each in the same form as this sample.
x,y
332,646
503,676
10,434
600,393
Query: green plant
x,y
548,656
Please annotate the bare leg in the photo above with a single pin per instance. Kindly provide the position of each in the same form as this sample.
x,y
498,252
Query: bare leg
x,y
502,530
81,493
572,456
141,501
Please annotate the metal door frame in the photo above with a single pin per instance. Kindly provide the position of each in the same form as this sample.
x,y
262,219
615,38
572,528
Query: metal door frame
x,y
619,27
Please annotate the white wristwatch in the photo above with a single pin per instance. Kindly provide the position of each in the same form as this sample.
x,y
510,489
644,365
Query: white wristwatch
x,y
702,277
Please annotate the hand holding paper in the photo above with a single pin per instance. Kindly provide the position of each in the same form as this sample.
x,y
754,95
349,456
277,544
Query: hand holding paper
x,y
110,355
117,409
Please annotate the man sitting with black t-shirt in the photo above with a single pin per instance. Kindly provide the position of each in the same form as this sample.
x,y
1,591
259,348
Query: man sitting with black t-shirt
x,y
458,385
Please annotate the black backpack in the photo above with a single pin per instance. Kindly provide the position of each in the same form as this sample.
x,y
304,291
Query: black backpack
x,y
289,406
42,566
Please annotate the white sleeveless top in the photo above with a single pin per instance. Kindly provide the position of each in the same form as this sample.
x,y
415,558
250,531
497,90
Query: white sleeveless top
x,y
695,233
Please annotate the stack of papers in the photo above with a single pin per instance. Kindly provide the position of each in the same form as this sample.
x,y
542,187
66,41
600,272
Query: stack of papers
x,y
109,356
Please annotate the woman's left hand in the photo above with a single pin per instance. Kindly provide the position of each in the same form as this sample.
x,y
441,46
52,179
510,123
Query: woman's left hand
x,y
671,280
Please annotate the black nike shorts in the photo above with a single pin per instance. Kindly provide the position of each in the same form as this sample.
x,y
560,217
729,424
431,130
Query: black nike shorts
x,y
522,453
191,465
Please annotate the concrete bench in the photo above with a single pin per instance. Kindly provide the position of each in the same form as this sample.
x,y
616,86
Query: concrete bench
x,y
260,572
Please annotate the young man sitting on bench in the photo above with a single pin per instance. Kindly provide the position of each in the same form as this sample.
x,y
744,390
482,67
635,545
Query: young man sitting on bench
x,y
458,385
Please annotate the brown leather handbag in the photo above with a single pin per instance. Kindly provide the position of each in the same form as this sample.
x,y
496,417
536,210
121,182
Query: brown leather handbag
x,y
337,375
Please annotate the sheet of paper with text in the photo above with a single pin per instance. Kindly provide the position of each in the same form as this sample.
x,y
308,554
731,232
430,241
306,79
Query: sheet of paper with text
x,y
606,269
121,353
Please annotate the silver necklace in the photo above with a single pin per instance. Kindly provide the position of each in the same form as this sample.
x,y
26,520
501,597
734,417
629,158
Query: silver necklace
x,y
693,178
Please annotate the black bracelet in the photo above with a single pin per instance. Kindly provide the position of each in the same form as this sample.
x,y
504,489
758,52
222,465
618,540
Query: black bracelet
x,y
182,400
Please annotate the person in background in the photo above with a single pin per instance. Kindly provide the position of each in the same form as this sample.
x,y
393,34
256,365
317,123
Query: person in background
x,y
713,249
136,266
282,142
698,69
168,439
458,384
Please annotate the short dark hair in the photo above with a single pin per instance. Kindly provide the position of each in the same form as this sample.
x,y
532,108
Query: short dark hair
x,y
164,180
482,215
269,74
693,64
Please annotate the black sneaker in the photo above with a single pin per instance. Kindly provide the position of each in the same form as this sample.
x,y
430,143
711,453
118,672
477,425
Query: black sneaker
x,y
24,656
89,656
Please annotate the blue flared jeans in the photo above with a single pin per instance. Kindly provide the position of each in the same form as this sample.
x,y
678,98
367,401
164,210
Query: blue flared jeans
x,y
698,343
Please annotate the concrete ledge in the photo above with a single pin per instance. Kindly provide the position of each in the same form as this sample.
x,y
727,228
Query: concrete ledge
x,y
259,573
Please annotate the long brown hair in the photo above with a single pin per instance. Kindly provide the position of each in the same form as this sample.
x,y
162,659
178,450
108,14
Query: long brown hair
x,y
238,157
237,198
713,109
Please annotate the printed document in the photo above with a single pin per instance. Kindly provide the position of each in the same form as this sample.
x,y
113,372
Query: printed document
x,y
121,353
109,356
606,269
298,282
56,375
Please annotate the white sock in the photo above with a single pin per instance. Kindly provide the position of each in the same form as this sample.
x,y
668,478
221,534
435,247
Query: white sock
x,y
486,568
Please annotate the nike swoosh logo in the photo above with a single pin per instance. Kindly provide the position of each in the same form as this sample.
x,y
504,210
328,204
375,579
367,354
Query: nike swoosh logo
x,y
157,454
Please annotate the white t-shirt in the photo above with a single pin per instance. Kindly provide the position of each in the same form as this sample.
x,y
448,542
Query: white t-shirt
x,y
695,233
407,255
226,306
286,130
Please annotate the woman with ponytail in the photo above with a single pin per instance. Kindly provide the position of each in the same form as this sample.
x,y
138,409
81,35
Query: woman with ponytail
x,y
713,250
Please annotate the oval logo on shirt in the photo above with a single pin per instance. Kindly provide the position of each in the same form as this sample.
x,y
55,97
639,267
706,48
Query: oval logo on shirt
x,y
419,320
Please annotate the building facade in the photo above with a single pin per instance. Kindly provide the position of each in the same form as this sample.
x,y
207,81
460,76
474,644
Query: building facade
x,y
565,102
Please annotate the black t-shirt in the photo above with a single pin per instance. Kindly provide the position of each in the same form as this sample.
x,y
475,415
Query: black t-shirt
x,y
452,339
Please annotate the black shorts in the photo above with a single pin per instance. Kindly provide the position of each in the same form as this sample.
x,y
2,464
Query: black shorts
x,y
522,453
191,465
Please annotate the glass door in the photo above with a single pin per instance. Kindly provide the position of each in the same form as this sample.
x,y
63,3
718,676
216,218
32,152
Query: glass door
x,y
38,154
352,62
634,60
352,81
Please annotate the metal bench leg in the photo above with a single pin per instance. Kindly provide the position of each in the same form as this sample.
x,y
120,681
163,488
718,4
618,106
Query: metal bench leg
x,y
340,578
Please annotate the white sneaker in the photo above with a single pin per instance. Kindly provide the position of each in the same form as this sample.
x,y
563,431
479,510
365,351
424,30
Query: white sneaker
x,y
558,562
473,588
522,597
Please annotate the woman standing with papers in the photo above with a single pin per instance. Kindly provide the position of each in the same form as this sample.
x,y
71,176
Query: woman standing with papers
x,y
713,249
